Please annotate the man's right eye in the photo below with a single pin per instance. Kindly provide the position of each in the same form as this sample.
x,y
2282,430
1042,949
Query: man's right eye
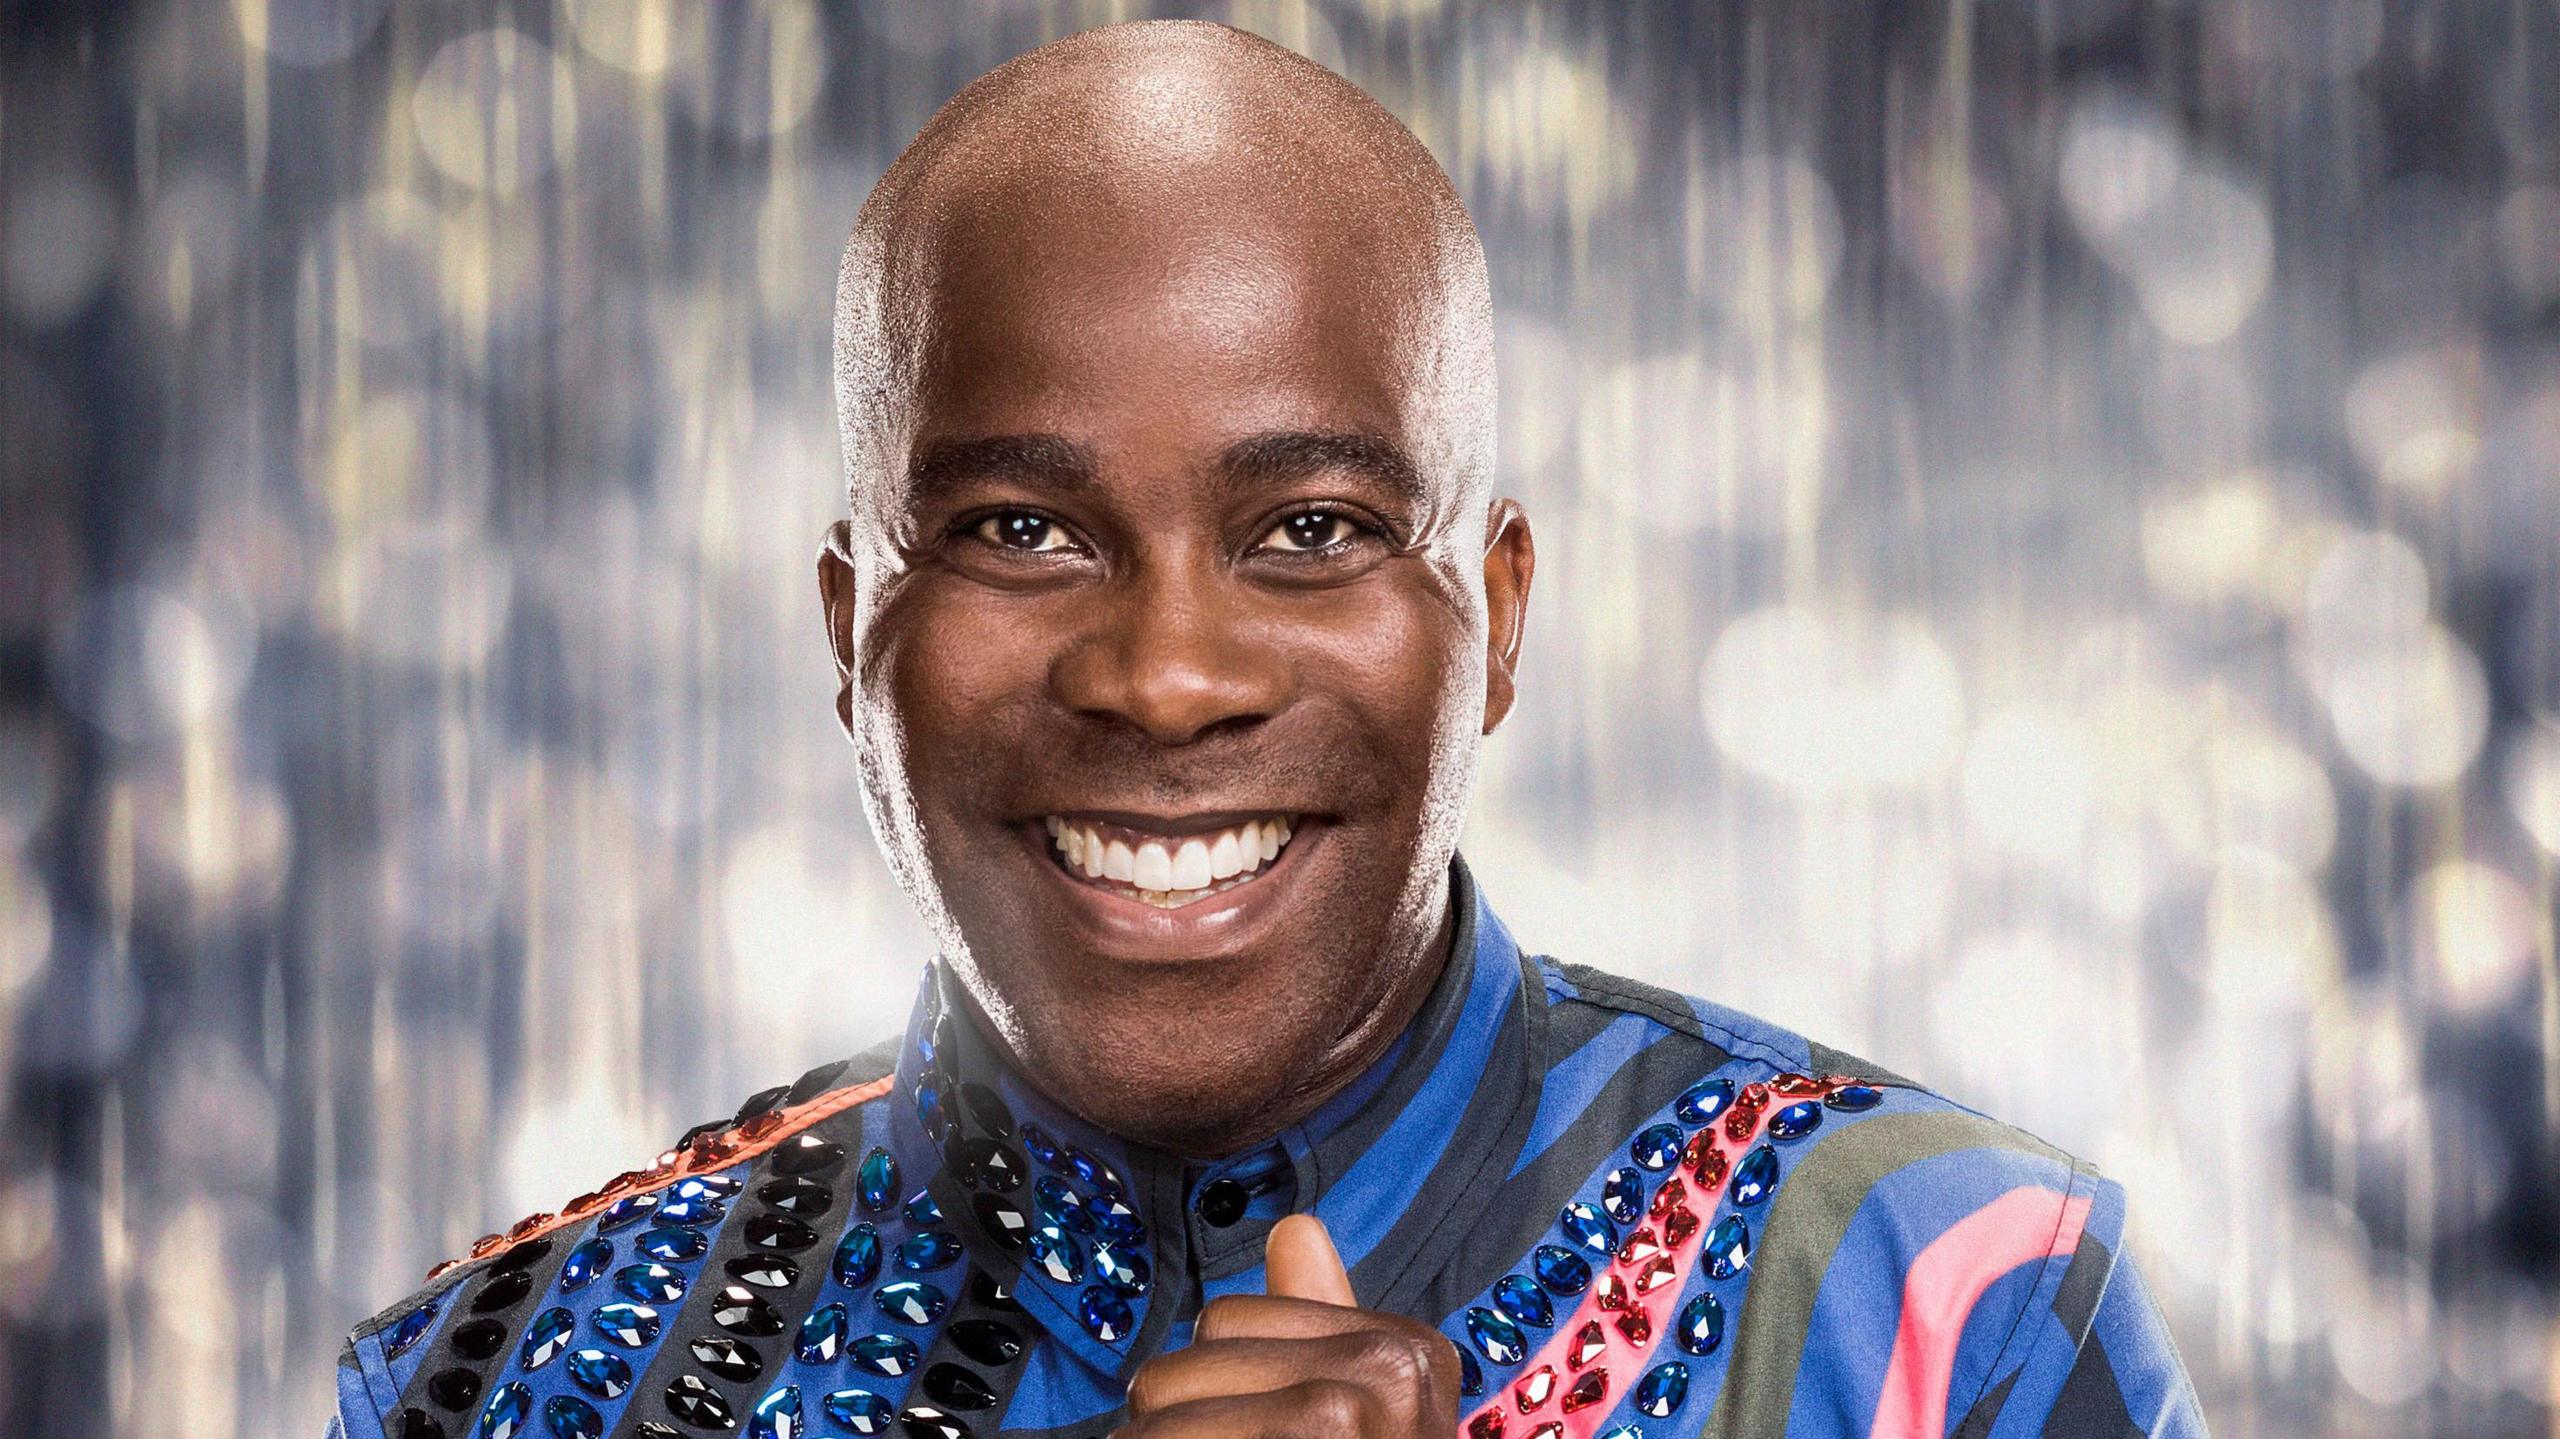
x,y
1023,530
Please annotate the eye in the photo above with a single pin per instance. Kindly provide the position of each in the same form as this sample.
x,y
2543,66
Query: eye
x,y
1023,530
1311,530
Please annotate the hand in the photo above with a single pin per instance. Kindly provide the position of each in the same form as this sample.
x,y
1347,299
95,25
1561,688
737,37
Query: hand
x,y
1302,1359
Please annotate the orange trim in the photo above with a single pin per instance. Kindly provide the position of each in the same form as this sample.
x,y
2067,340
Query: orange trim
x,y
708,1153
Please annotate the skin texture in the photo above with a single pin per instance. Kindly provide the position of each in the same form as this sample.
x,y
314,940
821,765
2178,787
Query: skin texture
x,y
1164,368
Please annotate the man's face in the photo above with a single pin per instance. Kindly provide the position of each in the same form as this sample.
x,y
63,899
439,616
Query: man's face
x,y
1172,655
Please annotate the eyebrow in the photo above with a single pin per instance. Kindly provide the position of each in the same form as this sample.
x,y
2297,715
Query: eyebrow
x,y
1062,466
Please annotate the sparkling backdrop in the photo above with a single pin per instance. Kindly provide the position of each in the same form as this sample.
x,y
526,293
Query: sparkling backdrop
x,y
2050,529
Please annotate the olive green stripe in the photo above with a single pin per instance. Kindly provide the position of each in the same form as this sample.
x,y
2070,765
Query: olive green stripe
x,y
1806,1222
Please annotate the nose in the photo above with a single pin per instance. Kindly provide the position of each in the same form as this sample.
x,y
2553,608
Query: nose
x,y
1176,657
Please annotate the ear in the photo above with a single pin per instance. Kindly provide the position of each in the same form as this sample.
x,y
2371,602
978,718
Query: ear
x,y
1509,560
835,594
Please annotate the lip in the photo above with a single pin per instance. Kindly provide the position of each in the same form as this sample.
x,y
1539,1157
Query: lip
x,y
1135,932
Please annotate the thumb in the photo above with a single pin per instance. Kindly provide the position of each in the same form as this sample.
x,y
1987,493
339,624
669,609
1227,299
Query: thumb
x,y
1299,1262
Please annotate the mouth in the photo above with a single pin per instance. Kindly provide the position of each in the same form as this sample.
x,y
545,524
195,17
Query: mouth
x,y
1169,864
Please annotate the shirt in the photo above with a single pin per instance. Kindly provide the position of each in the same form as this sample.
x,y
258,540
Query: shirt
x,y
1635,1215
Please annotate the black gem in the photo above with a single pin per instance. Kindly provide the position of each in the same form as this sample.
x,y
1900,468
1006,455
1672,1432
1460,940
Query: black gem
x,y
984,1161
925,1422
957,1387
988,1108
805,1154
814,1083
779,1232
479,1339
504,1288
455,1388
691,1398
419,1424
726,1358
741,1311
1223,1201
652,1429
764,1271
523,1256
758,1102
986,1341
798,1195
992,1292
1003,1220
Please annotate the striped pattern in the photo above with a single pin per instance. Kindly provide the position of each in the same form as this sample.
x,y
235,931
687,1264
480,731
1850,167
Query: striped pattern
x,y
1918,1270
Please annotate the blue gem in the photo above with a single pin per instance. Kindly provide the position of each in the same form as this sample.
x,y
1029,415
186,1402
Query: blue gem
x,y
545,1337
1496,1337
1589,1229
584,1263
599,1373
1086,1168
673,1245
569,1417
1470,1375
1106,1315
649,1283
922,1209
858,1256
777,1415
1700,1327
1728,1247
929,1108
1042,1147
1523,1301
705,1210
1657,1148
1060,1205
887,1355
412,1327
860,1411
622,1212
630,1325
1056,1253
1560,1269
1703,1101
1755,1176
705,1186
1124,1272
1796,1120
1854,1098
1622,1195
1663,1389
822,1335
876,1181
930,1250
1624,1431
911,1301
1118,1222
508,1410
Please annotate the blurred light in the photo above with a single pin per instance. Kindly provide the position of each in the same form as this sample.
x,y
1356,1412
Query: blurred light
x,y
2527,219
2320,39
2412,714
482,110
2531,780
1821,703
2201,258
2364,1059
2211,545
1765,238
2263,793
2120,158
2027,785
565,1144
759,79
59,245
2476,934
2068,1085
308,32
2415,418
2387,1353
1684,445
1547,128
798,932
380,257
2268,939
643,37
26,933
185,250
2370,591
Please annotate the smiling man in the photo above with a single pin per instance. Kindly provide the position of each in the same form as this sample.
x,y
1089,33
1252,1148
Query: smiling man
x,y
1171,609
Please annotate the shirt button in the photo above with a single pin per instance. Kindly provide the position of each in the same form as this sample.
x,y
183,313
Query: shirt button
x,y
1222,1202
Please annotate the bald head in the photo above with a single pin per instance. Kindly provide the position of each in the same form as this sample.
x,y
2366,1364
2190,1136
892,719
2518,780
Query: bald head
x,y
1164,164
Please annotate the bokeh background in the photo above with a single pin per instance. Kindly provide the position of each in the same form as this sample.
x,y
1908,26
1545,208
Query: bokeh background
x,y
2050,531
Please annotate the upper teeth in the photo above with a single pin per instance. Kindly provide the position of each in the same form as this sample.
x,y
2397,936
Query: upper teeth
x,y
1168,863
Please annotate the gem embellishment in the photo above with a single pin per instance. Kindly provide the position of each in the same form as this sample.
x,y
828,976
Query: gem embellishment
x,y
1588,1390
623,1213
1854,1098
911,1301
777,1415
1728,1247
876,1183
1126,1273
692,1399
570,1417
764,1271
986,1341
412,1327
1057,1254
507,1413
599,1373
1588,1344
891,1356
1560,1269
742,1311
584,1263
1657,1148
726,1358
649,1283
858,1411
1589,1229
1663,1389
805,1154
1757,1174
1496,1337
671,1244
822,1334
546,1337
857,1260
1703,1101
956,1388
1622,1195
1796,1120
1523,1301
931,1250
1700,1327
633,1326
922,1210
1534,1388
1105,1315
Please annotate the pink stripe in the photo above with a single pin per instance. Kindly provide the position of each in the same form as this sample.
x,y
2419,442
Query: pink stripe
x,y
1943,1284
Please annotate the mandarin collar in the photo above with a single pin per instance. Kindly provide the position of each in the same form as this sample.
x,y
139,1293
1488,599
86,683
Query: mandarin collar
x,y
1109,1244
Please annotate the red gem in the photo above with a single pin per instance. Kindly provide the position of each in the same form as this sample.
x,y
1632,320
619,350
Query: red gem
x,y
1678,1225
711,1147
1672,1192
1655,1275
1552,1429
1535,1388
1754,1097
1739,1124
1588,1341
1796,1086
1588,1390
664,1163
528,1224
486,1245
1640,1246
1710,1171
760,1126
442,1268
1487,1425
1610,1292
1637,1327
582,1204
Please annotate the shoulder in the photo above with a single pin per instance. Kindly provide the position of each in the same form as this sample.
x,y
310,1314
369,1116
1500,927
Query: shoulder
x,y
705,1163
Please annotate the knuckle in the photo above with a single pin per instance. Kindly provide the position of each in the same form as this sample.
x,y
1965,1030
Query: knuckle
x,y
1337,1406
1218,1318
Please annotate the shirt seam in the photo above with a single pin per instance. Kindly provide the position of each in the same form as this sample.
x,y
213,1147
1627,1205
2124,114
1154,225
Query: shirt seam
x,y
1685,1021
2082,1178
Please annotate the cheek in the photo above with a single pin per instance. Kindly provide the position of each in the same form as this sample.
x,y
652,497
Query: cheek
x,y
950,674
1403,663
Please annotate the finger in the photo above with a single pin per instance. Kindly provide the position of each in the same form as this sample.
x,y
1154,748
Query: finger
x,y
1299,1262
1386,1361
1263,1316
1317,1408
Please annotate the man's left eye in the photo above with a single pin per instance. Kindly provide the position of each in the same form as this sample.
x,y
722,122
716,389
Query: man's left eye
x,y
1310,530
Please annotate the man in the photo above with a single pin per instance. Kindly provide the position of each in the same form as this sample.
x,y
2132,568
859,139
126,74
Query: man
x,y
1170,612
